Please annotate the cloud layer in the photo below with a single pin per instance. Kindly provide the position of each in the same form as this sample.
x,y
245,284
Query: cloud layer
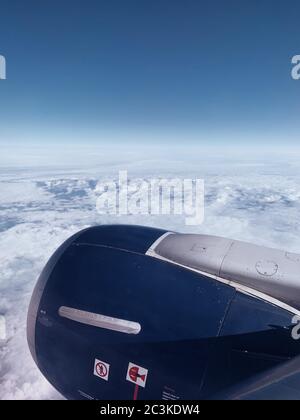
x,y
245,199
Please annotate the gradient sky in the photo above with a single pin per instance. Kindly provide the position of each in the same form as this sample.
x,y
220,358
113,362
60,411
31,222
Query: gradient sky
x,y
196,70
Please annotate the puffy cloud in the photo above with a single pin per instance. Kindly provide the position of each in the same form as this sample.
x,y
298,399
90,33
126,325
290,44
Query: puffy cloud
x,y
38,210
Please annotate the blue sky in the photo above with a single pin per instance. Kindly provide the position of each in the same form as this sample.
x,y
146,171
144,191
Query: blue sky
x,y
149,70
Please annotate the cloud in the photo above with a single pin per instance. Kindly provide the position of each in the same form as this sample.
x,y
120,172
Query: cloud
x,y
39,209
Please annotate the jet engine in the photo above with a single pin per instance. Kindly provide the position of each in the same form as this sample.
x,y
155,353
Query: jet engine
x,y
130,312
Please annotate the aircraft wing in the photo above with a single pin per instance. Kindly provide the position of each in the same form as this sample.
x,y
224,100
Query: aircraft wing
x,y
280,383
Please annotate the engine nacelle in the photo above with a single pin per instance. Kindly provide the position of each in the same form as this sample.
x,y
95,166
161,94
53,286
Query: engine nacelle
x,y
130,312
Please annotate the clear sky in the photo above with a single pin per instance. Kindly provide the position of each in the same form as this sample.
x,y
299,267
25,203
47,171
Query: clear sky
x,y
173,70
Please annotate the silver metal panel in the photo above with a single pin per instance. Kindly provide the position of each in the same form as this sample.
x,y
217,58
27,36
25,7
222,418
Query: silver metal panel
x,y
100,321
268,270
202,252
272,272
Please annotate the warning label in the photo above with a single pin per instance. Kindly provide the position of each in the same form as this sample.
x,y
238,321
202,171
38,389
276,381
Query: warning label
x,y
137,375
101,369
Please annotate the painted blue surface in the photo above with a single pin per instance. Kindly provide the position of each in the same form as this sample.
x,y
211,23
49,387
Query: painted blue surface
x,y
256,336
199,337
130,238
170,303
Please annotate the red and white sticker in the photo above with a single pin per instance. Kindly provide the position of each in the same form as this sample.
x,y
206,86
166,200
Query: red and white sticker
x,y
137,375
101,369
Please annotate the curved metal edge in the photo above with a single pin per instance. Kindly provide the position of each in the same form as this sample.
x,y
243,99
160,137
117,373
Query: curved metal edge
x,y
100,321
39,290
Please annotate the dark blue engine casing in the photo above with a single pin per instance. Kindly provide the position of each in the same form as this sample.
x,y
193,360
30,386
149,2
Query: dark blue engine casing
x,y
198,336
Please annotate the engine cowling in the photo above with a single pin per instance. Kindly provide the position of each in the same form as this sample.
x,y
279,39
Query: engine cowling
x,y
122,312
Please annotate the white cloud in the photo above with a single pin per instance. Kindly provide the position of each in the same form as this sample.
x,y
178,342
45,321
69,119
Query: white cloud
x,y
253,201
